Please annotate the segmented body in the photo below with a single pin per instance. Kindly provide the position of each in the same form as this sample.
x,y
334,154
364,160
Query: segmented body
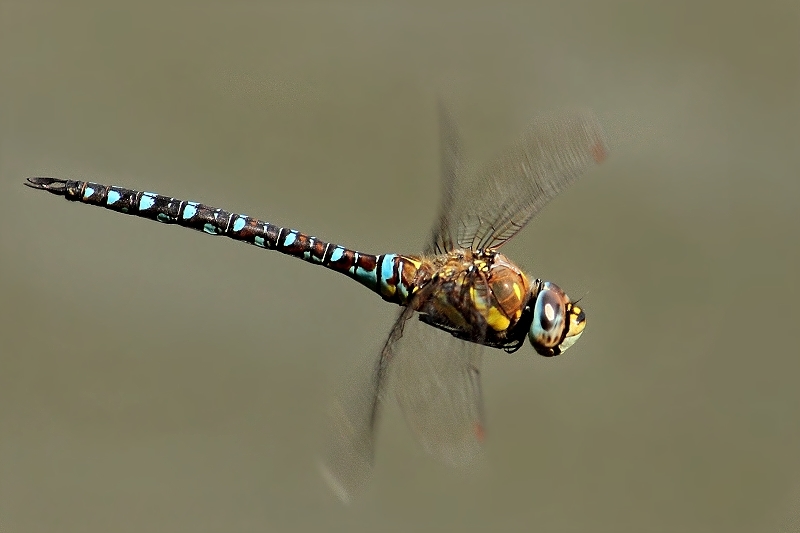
x,y
394,277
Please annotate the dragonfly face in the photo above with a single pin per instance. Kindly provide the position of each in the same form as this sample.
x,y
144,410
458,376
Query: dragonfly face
x,y
557,322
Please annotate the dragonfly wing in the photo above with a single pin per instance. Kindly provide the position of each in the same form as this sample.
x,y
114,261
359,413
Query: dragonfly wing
x,y
443,237
491,206
436,380
353,419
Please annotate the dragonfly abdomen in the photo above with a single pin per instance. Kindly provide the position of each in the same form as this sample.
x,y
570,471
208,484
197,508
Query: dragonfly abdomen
x,y
392,276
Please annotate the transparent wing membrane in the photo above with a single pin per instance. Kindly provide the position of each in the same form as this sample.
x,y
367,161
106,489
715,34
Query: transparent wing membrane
x,y
353,419
487,208
437,384
436,380
443,237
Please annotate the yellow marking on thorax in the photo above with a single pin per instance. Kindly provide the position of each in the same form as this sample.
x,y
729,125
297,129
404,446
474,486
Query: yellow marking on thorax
x,y
494,316
496,319
477,301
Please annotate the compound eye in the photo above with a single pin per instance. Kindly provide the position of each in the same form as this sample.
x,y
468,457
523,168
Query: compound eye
x,y
549,310
549,320
557,322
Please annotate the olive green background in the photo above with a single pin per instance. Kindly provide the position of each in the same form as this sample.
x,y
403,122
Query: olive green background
x,y
154,379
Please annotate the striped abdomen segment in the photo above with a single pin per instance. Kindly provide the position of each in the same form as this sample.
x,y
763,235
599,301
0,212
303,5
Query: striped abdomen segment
x,y
392,276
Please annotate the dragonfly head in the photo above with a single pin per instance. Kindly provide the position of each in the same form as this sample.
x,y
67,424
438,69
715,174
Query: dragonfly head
x,y
557,321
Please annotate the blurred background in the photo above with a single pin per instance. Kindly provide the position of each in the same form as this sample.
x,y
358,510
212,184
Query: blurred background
x,y
153,379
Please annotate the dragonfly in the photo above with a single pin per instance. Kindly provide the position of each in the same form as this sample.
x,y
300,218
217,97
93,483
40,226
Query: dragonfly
x,y
459,296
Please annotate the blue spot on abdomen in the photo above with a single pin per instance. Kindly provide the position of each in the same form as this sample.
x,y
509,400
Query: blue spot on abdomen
x,y
189,211
147,201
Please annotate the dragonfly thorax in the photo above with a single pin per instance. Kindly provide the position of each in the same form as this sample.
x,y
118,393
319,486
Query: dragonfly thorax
x,y
509,292
478,296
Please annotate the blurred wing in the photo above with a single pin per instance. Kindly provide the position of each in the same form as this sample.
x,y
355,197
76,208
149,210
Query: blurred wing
x,y
495,203
443,237
353,419
437,383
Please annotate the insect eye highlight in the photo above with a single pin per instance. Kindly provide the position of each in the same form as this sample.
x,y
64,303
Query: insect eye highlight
x,y
549,314
557,322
